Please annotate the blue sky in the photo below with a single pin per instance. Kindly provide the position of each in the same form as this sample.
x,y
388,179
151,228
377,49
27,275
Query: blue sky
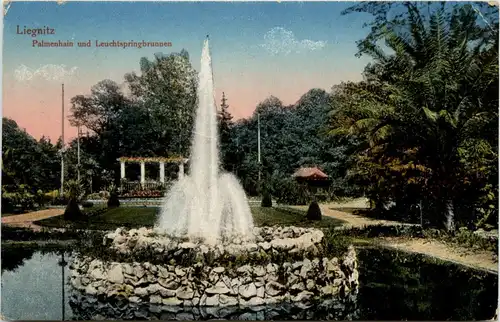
x,y
258,48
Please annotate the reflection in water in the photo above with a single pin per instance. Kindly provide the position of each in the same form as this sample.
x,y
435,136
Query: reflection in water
x,y
394,286
62,262
33,291
415,287
90,308
14,256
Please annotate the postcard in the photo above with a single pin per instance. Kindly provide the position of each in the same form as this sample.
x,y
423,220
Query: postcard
x,y
237,160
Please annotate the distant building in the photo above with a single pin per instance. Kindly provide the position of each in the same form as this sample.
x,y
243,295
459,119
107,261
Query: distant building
x,y
316,180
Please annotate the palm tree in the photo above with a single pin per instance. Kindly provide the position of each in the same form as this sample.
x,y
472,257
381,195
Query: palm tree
x,y
427,112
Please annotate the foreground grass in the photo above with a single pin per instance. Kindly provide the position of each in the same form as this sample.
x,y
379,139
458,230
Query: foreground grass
x,y
289,217
130,217
134,217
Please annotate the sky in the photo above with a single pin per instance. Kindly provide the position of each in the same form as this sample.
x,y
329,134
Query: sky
x,y
258,49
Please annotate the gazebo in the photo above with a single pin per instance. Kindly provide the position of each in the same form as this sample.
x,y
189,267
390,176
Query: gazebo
x,y
144,160
315,179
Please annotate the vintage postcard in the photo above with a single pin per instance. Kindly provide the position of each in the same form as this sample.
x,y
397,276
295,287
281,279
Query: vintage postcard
x,y
234,160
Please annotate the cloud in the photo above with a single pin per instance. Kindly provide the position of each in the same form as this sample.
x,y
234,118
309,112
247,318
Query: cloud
x,y
281,41
48,72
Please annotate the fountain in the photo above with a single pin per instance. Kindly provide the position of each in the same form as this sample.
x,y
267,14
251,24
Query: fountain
x,y
206,204
205,252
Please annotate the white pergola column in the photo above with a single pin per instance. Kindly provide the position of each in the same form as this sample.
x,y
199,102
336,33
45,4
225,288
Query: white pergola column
x,y
181,170
143,173
122,170
162,172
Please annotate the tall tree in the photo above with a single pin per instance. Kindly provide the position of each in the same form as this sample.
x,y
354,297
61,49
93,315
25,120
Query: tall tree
x,y
167,88
225,120
427,111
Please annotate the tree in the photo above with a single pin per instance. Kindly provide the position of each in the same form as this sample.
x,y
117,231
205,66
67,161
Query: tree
x,y
424,108
167,88
25,161
98,111
225,118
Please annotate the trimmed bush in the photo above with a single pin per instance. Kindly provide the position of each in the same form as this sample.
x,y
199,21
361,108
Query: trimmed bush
x,y
266,200
72,211
314,212
113,201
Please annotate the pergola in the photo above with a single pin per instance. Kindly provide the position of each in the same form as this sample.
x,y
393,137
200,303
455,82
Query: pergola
x,y
161,160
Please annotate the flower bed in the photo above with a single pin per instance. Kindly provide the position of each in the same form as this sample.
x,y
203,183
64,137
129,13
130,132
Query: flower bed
x,y
142,194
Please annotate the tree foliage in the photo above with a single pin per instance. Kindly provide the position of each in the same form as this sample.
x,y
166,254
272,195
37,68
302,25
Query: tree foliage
x,y
154,118
291,137
26,161
225,121
426,114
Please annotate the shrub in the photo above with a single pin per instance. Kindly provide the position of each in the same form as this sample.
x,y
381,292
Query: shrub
x,y
87,204
288,191
73,190
59,201
143,194
113,200
40,198
314,212
21,199
72,211
266,200
95,196
7,203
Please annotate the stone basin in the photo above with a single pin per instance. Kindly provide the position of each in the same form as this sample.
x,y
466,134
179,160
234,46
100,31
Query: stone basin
x,y
281,264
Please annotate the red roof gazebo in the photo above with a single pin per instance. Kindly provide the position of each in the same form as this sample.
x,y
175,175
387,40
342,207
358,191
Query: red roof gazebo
x,y
312,173
316,181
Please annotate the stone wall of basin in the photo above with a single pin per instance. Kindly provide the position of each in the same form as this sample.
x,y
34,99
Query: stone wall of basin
x,y
201,285
265,240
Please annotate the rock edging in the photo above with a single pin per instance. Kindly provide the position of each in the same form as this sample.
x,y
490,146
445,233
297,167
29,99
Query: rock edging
x,y
216,286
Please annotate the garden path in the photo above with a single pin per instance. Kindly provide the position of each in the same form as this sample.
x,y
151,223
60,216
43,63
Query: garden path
x,y
26,220
480,259
334,210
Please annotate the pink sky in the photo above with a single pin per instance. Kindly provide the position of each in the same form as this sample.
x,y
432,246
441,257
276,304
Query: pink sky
x,y
36,105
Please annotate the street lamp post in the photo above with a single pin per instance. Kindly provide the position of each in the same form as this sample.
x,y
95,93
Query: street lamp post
x,y
258,144
78,154
62,143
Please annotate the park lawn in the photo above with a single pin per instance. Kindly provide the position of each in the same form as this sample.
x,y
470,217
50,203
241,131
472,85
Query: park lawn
x,y
289,217
134,217
130,217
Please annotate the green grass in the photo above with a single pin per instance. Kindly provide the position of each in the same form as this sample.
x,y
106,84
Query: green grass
x,y
134,217
289,217
131,217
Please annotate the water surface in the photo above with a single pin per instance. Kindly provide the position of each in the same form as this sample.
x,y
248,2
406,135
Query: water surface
x,y
394,286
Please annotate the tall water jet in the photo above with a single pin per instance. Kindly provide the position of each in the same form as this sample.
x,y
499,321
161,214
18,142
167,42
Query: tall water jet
x,y
206,204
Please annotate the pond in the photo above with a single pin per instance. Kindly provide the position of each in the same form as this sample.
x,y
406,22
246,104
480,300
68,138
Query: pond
x,y
394,286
